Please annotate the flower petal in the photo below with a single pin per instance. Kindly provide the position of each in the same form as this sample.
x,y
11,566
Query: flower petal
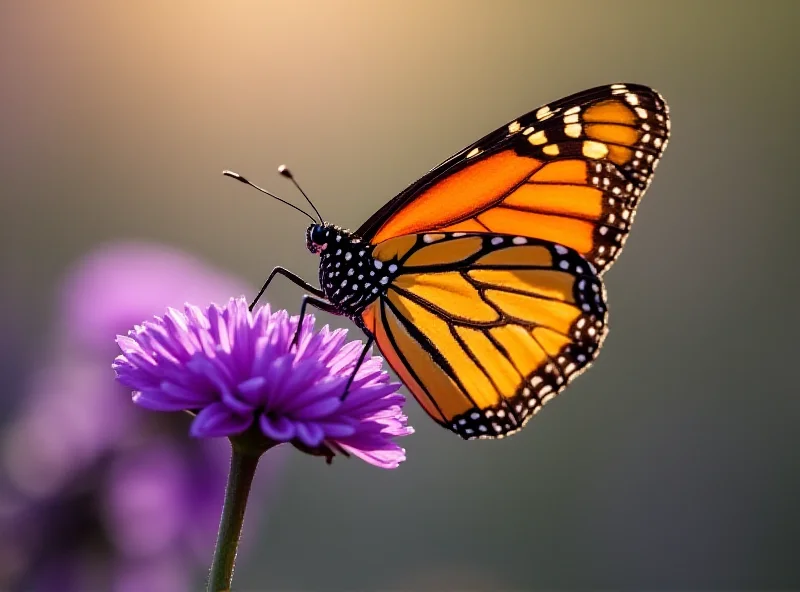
x,y
389,456
190,399
319,408
218,420
279,429
338,429
252,390
310,434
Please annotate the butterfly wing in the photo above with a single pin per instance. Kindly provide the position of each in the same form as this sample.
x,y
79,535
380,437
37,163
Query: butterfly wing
x,y
484,329
571,172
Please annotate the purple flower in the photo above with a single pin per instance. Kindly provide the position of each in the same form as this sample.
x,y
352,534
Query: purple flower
x,y
236,369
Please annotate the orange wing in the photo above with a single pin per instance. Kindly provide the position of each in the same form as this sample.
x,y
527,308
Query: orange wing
x,y
571,172
485,329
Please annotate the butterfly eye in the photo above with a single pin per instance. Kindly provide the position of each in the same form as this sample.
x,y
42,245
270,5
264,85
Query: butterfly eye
x,y
316,238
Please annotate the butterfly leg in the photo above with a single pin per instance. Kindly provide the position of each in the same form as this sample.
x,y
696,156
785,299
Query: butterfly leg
x,y
326,306
319,303
360,361
294,278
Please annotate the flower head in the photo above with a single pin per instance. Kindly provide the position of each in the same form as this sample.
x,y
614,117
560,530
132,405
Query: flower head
x,y
238,371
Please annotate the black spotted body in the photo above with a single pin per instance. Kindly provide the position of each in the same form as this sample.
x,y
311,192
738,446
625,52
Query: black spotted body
x,y
348,274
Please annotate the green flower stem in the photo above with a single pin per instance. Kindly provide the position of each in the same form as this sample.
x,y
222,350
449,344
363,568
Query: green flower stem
x,y
244,460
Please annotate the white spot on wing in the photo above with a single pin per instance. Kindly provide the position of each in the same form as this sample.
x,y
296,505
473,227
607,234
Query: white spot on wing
x,y
573,130
543,112
538,138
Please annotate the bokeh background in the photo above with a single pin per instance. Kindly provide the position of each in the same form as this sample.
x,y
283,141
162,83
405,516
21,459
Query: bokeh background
x,y
672,464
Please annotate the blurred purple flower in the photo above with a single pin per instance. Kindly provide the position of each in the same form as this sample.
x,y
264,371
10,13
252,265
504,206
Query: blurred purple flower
x,y
95,493
235,369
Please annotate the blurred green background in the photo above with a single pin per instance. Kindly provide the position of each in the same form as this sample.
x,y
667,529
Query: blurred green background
x,y
671,464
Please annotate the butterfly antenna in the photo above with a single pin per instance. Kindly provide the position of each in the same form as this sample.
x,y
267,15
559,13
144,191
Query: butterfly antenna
x,y
238,177
284,170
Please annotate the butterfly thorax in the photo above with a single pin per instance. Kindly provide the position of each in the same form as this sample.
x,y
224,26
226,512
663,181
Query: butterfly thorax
x,y
348,274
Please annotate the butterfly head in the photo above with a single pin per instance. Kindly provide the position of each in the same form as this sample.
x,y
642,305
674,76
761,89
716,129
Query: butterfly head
x,y
320,236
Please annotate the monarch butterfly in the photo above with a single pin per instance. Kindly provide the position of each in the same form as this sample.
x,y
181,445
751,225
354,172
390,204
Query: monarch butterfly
x,y
481,282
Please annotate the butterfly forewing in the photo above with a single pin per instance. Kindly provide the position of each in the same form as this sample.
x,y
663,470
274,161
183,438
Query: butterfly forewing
x,y
570,172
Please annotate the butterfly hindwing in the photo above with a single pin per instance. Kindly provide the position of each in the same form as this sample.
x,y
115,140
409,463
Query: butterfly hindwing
x,y
571,172
484,328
